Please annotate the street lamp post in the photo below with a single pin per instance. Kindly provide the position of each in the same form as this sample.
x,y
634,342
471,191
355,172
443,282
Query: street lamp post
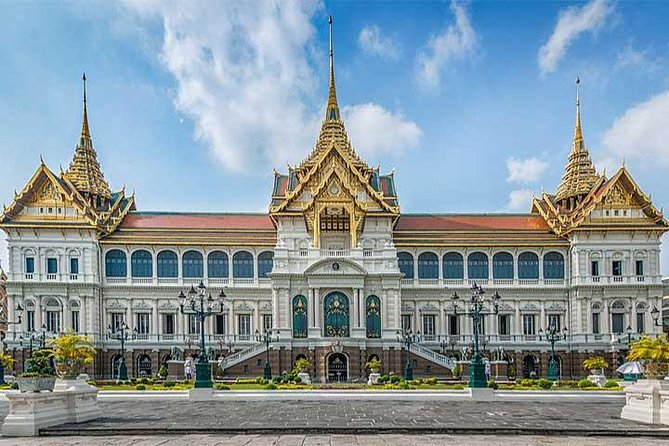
x,y
267,337
202,306
453,342
477,376
409,338
553,335
120,333
5,320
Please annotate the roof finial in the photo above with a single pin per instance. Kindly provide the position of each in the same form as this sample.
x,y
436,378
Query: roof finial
x,y
332,112
578,133
85,132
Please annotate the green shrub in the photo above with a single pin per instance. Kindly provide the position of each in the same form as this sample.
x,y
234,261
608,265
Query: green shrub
x,y
140,387
384,379
297,380
220,386
150,381
457,371
584,384
92,383
492,384
276,380
430,381
271,386
610,383
143,381
510,371
394,379
403,385
526,382
259,380
566,383
416,382
162,371
41,363
169,384
14,386
545,383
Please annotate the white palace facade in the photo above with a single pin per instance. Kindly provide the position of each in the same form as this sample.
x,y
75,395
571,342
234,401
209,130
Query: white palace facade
x,y
334,268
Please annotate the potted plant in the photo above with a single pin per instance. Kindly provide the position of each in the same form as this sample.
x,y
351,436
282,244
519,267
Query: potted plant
x,y
595,364
653,354
302,366
40,374
511,372
374,365
72,353
457,371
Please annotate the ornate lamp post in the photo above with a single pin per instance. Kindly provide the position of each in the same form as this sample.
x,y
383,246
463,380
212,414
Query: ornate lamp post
x,y
409,338
267,337
655,314
4,320
202,306
553,334
453,342
120,333
476,313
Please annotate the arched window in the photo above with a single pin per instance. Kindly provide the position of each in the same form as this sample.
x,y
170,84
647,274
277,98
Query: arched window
x,y
116,263
265,263
217,264
242,265
477,265
502,266
299,317
193,265
428,266
405,263
141,264
553,265
168,264
528,266
373,315
453,266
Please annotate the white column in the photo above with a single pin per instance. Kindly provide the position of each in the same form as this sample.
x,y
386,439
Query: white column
x,y
543,323
312,308
287,310
362,310
384,309
442,320
275,309
317,308
355,307
518,322
154,319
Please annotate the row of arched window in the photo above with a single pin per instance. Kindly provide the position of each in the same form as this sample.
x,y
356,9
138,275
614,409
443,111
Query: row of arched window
x,y
372,316
192,264
478,265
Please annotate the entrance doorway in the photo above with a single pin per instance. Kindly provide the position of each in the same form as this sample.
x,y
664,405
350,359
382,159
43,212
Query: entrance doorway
x,y
530,367
337,367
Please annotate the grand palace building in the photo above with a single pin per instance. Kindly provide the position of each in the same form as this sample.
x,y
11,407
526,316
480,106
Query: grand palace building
x,y
334,268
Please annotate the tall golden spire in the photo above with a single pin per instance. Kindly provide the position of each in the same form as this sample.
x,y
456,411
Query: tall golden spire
x,y
332,110
84,170
85,133
580,174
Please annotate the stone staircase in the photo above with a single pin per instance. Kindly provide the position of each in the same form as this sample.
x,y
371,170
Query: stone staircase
x,y
433,356
242,355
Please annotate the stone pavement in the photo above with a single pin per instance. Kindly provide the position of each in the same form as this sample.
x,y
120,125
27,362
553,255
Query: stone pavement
x,y
331,440
171,416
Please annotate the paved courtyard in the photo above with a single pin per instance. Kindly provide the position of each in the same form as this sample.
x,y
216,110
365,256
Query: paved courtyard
x,y
332,440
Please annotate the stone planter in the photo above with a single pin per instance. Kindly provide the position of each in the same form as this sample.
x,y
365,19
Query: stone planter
x,y
373,378
36,384
646,402
304,376
597,377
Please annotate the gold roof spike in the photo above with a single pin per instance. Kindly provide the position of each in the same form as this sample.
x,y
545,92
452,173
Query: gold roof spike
x,y
332,110
84,171
580,175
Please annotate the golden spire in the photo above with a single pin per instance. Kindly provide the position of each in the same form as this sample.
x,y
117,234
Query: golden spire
x,y
332,110
580,174
84,170
85,133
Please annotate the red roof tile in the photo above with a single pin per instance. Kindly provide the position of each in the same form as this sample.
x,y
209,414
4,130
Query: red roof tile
x,y
481,222
197,221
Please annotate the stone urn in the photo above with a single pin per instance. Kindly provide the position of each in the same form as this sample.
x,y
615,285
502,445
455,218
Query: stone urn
x,y
373,377
36,384
304,376
597,377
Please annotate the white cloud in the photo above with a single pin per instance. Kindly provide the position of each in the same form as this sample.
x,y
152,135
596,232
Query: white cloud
x,y
527,170
572,22
456,41
243,75
373,42
374,129
641,132
520,200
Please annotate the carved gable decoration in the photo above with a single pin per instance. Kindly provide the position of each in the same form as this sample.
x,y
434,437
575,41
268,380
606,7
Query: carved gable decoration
x,y
617,196
338,267
243,306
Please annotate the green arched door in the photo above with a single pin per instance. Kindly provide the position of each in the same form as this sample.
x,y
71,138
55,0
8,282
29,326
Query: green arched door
x,y
336,315
373,316
299,317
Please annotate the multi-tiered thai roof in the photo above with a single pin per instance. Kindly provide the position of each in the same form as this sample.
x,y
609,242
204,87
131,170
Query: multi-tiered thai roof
x,y
77,198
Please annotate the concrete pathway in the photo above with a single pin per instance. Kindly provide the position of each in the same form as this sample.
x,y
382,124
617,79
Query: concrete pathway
x,y
332,440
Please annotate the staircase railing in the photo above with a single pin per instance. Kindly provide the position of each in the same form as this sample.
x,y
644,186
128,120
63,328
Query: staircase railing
x,y
242,355
433,356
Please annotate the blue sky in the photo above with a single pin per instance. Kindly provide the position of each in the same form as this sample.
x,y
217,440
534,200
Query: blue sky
x,y
471,103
